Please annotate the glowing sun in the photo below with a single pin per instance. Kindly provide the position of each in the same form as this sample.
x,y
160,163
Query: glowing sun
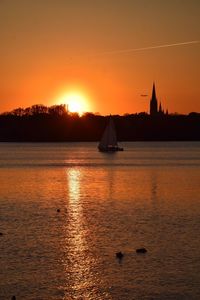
x,y
76,102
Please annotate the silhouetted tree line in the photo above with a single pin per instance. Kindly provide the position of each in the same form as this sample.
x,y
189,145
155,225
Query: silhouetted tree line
x,y
40,123
38,109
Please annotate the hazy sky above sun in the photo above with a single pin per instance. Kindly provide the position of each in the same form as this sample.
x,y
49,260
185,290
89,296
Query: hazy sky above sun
x,y
51,49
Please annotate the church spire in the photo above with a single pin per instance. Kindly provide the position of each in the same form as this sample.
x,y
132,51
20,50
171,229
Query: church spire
x,y
153,102
153,91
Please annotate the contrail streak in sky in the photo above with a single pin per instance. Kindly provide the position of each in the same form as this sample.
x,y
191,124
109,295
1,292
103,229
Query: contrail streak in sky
x,y
147,48
124,51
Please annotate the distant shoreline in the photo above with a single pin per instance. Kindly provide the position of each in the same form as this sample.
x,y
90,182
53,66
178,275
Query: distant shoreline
x,y
97,141
62,127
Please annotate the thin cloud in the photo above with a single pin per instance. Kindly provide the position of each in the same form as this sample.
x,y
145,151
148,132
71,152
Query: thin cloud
x,y
146,48
124,51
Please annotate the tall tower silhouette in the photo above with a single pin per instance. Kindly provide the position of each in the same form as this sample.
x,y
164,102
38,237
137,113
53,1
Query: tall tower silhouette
x,y
153,102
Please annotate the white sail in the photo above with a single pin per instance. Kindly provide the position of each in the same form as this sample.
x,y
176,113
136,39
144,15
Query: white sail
x,y
109,138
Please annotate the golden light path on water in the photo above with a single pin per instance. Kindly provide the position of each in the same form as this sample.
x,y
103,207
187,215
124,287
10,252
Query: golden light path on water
x,y
80,261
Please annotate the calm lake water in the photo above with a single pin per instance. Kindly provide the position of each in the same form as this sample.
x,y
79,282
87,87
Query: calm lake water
x,y
147,196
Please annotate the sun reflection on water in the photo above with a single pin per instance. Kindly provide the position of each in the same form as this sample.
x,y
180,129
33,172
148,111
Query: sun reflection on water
x,y
79,261
74,176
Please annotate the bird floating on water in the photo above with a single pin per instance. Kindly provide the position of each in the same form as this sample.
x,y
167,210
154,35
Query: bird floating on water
x,y
141,250
119,255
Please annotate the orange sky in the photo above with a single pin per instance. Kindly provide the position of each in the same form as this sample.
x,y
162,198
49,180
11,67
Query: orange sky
x,y
52,47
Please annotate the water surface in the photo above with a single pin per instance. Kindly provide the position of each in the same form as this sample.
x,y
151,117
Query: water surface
x,y
147,196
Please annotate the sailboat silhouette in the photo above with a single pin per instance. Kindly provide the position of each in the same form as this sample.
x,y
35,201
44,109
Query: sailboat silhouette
x,y
108,141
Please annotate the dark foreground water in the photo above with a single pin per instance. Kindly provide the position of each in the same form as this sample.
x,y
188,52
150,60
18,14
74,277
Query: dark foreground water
x,y
147,196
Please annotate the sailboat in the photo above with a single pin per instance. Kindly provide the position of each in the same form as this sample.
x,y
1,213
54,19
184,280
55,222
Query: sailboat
x,y
108,141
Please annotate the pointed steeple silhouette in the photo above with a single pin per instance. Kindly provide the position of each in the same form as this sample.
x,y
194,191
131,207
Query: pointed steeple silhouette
x,y
154,91
160,108
153,102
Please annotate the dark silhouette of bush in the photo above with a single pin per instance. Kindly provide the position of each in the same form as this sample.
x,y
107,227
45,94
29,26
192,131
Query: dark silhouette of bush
x,y
40,123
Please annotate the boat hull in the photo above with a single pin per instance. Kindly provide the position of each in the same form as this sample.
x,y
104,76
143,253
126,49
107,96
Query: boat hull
x,y
110,149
